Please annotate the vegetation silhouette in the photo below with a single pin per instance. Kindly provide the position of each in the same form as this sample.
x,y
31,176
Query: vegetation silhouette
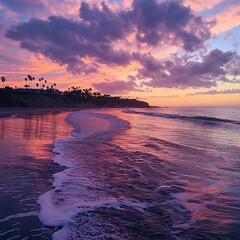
x,y
43,94
3,79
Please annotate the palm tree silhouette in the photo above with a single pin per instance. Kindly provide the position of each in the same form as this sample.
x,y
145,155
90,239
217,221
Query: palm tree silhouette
x,y
33,78
26,79
3,80
30,79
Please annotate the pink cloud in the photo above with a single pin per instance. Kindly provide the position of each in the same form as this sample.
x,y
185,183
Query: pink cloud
x,y
214,67
115,87
227,19
200,5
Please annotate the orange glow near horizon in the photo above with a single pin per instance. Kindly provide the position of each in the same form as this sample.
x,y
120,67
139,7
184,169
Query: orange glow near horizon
x,y
227,100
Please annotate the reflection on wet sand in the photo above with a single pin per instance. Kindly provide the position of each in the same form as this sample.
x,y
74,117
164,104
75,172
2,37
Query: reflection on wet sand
x,y
25,141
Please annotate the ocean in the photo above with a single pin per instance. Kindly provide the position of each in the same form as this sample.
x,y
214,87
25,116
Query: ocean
x,y
156,173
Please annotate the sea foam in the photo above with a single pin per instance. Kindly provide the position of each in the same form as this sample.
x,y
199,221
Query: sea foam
x,y
201,119
71,195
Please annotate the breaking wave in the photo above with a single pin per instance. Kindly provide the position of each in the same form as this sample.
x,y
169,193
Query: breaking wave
x,y
199,119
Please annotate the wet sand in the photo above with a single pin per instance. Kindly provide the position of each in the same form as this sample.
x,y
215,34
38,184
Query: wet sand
x,y
26,168
8,112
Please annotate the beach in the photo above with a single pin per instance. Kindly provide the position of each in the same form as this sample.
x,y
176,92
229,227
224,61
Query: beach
x,y
13,111
164,173
27,168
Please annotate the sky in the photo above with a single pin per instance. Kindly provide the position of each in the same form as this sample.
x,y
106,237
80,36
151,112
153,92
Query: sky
x,y
165,52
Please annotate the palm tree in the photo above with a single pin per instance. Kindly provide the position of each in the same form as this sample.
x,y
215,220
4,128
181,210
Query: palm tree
x,y
30,79
3,80
33,78
87,92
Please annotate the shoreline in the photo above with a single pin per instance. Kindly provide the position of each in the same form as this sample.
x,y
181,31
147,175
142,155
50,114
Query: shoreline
x,y
55,202
12,112
28,173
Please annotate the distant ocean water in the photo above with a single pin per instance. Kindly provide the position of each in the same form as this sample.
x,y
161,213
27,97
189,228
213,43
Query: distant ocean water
x,y
158,173
166,173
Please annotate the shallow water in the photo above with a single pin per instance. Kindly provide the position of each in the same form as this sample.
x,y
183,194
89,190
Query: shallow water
x,y
26,171
142,176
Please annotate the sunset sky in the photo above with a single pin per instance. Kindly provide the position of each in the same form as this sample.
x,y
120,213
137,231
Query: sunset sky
x,y
168,53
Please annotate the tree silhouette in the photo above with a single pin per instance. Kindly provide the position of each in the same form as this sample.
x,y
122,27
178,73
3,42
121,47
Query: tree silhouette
x,y
41,79
97,94
30,79
87,92
33,78
3,79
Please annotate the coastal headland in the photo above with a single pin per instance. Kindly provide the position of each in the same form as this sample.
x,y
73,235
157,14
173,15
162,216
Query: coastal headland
x,y
53,98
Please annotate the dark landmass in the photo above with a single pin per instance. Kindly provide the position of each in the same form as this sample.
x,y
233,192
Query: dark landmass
x,y
53,98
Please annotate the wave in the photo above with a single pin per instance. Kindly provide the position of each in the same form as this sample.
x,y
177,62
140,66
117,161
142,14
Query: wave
x,y
76,189
202,119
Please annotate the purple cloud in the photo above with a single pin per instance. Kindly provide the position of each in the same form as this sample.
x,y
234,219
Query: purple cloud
x,y
169,22
98,29
214,67
215,92
23,6
67,43
107,24
115,87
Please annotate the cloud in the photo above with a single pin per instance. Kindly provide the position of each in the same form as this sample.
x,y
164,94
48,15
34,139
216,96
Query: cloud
x,y
168,22
199,5
23,6
216,92
107,24
227,18
115,87
93,39
68,43
98,35
215,66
